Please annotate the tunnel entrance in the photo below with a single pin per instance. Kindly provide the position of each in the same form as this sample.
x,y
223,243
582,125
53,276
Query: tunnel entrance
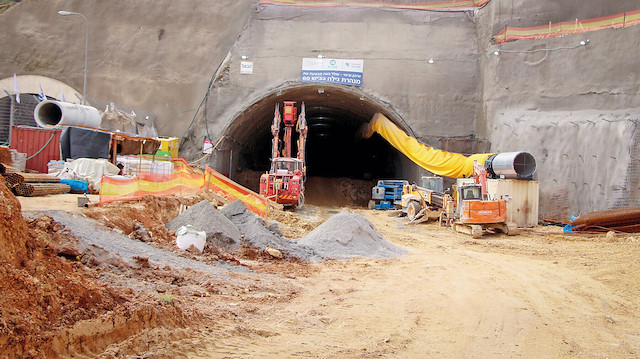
x,y
334,115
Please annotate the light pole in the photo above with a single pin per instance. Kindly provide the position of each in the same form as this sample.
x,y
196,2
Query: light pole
x,y
86,50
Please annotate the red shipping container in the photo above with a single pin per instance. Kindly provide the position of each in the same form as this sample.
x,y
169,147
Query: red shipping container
x,y
32,140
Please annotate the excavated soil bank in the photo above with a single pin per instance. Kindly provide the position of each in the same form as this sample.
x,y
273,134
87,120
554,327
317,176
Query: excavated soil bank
x,y
44,286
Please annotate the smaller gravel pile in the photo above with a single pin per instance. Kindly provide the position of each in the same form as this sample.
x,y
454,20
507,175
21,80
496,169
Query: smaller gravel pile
x,y
203,216
257,234
348,235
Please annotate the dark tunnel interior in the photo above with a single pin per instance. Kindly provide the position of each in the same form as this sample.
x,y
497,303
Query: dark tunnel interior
x,y
334,114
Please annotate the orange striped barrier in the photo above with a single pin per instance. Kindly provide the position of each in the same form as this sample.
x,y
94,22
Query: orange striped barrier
x,y
122,189
625,19
232,191
183,181
431,5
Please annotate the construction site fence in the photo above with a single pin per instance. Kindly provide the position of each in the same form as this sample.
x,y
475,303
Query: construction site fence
x,y
577,26
185,180
391,4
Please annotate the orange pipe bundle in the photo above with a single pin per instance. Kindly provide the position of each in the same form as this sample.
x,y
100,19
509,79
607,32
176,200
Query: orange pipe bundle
x,y
619,219
41,189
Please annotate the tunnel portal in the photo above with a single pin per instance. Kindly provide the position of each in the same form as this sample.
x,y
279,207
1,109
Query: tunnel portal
x,y
334,114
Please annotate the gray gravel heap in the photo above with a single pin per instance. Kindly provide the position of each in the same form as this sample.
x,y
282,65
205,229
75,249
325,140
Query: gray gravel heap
x,y
257,234
347,235
203,216
90,233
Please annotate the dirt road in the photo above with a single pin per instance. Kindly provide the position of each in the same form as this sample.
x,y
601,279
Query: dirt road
x,y
541,294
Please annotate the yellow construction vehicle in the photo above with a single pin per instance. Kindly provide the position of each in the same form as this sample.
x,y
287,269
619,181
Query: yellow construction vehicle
x,y
469,209
421,204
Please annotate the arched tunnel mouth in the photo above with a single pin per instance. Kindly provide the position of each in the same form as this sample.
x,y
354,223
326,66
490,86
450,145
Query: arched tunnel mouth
x,y
338,162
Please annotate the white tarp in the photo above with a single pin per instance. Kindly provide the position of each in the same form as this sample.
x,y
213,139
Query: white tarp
x,y
88,169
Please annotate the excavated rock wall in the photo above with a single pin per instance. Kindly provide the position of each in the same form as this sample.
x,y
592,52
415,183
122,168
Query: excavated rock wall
x,y
576,110
152,55
436,99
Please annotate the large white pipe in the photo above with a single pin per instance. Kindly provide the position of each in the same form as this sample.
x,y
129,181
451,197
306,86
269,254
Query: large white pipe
x,y
512,165
51,113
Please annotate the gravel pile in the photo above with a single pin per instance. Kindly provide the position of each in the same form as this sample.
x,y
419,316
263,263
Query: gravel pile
x,y
348,235
257,234
203,216
91,234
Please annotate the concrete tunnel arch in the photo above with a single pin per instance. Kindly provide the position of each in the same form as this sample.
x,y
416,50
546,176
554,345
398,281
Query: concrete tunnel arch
x,y
334,114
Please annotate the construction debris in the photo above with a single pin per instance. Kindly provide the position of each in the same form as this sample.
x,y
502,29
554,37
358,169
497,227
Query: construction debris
x,y
625,220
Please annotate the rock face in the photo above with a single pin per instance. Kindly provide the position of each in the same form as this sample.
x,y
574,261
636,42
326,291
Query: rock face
x,y
554,104
203,216
348,235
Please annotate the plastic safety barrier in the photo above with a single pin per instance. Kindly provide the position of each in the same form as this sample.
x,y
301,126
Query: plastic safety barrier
x,y
134,188
232,191
629,18
183,181
431,5
439,162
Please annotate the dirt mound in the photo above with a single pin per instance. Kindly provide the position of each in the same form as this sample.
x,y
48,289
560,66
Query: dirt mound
x,y
338,192
291,224
348,235
152,212
43,284
204,217
13,230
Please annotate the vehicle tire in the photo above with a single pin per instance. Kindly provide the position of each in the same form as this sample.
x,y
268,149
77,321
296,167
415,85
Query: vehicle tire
x,y
412,210
300,201
372,204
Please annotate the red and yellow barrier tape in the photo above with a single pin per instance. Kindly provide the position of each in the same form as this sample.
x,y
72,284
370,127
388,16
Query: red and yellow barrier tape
x,y
577,26
232,191
180,182
431,5
183,181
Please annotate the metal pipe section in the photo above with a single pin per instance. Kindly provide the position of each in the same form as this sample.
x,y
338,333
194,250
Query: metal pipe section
x,y
513,165
51,114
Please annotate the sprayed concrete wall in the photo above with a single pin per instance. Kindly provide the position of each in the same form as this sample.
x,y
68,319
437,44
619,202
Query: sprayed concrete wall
x,y
152,55
576,110
435,101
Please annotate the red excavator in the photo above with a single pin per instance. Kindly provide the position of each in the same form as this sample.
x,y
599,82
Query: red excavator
x,y
284,183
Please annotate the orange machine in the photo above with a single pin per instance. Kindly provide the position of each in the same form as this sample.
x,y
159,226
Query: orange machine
x,y
284,183
475,212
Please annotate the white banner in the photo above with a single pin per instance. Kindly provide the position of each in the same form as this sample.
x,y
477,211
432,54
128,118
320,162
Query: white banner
x,y
341,71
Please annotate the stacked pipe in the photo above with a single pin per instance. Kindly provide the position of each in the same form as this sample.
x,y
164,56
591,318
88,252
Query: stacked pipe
x,y
625,220
41,189
4,169
33,184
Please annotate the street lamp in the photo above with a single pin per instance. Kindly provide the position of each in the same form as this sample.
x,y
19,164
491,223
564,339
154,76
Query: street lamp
x,y
86,50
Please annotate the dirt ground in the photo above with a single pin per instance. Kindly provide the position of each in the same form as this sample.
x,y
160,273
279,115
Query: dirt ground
x,y
541,294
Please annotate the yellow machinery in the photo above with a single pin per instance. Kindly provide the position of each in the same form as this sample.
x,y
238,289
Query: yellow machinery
x,y
471,210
